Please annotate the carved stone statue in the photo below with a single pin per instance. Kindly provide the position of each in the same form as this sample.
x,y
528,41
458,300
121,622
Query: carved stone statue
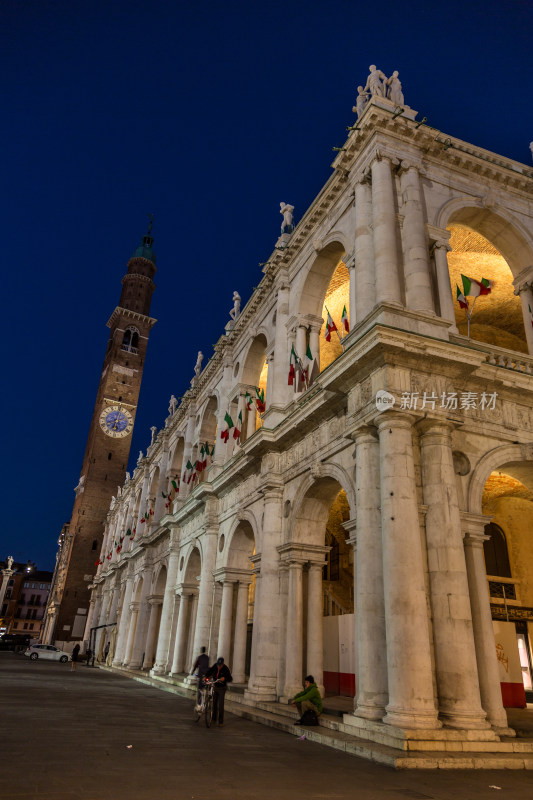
x,y
236,310
286,211
154,431
128,477
9,561
376,82
394,89
198,365
531,148
173,405
140,457
361,102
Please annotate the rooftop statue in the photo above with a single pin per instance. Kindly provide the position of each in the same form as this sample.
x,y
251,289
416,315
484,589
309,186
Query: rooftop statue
x,y
376,83
9,562
361,102
154,431
286,211
198,365
173,404
140,457
235,311
394,89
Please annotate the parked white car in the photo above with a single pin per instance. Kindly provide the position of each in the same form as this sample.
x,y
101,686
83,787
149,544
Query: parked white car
x,y
46,651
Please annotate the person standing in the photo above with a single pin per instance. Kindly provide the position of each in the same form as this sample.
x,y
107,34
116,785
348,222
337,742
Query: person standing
x,y
75,654
221,673
201,665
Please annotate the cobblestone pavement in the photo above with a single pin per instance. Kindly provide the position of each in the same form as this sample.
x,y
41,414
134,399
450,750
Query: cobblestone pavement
x,y
91,735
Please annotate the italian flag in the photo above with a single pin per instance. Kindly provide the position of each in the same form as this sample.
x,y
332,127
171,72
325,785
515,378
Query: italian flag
x,y
260,400
224,433
530,315
194,474
97,563
310,365
330,327
248,399
461,299
128,532
344,320
292,363
238,426
201,463
188,472
473,288
175,486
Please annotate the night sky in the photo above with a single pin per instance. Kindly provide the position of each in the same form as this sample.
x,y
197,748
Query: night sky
x,y
207,115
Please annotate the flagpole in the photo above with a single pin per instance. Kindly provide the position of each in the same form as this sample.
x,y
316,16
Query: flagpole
x,y
336,329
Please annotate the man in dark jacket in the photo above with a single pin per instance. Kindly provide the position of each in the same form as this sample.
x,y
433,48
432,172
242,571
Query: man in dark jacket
x,y
219,672
201,665
308,700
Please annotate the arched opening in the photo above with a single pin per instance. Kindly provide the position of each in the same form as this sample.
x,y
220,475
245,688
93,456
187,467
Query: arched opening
x,y
508,551
496,318
254,380
237,602
154,622
320,606
188,609
207,438
130,340
336,301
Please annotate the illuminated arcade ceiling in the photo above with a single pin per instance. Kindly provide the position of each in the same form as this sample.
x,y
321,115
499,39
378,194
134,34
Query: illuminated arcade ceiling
x,y
497,317
500,485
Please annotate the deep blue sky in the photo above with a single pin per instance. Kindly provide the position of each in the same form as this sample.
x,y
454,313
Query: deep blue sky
x,y
208,115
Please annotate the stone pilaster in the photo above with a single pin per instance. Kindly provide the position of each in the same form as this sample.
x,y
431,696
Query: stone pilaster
x,y
205,593
410,680
226,612
371,672
241,625
293,651
455,658
386,265
180,645
365,287
315,627
419,295
132,628
135,660
155,605
441,249
526,298
124,624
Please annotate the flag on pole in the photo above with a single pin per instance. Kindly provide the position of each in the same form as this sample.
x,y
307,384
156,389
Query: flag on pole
x,y
293,359
238,426
474,288
188,472
461,299
330,327
224,433
260,400
344,320
175,485
200,462
311,366
248,399
530,315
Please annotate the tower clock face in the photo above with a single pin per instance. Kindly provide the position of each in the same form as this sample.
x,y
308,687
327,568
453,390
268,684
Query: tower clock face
x,y
116,422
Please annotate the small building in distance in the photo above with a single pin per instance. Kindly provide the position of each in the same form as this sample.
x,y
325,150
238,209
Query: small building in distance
x,y
24,591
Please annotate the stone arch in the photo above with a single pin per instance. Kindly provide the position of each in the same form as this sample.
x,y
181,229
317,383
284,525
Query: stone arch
x,y
208,422
192,563
509,456
254,360
160,580
176,457
315,281
497,225
331,476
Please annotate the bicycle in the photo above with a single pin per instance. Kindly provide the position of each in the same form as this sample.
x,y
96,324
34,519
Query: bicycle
x,y
206,704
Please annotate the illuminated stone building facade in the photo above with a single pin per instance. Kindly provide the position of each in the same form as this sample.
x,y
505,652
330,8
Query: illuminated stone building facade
x,y
343,533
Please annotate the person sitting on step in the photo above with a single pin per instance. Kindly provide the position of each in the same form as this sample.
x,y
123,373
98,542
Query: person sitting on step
x,y
308,700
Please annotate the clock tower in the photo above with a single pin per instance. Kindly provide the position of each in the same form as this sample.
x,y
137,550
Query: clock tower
x,y
107,451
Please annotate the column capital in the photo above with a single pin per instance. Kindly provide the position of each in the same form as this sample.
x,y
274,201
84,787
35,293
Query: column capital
x,y
436,426
296,553
365,433
394,419
473,524
406,165
229,575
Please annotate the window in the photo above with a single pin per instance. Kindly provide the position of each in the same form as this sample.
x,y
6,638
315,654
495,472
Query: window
x,y
496,554
28,613
11,582
130,340
109,456
95,544
25,626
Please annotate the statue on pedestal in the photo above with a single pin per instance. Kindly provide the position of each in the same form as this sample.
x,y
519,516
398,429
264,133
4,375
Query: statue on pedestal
x,y
140,457
286,211
235,311
376,83
173,405
154,431
9,562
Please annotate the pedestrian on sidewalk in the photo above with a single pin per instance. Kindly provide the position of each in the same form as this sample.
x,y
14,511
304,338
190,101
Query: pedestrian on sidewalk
x,y
219,672
308,700
75,654
201,665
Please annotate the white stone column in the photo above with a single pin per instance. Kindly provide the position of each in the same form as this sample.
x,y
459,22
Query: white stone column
x,y
226,618
180,646
279,389
149,650
264,662
371,674
386,266
132,627
315,627
418,291
487,662
251,418
455,656
142,502
136,658
411,699
301,341
440,254
90,618
165,627
205,594
241,630
314,339
294,647
114,603
526,298
123,625
364,284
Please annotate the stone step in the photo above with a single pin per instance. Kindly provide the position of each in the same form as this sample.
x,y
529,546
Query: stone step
x,y
440,754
